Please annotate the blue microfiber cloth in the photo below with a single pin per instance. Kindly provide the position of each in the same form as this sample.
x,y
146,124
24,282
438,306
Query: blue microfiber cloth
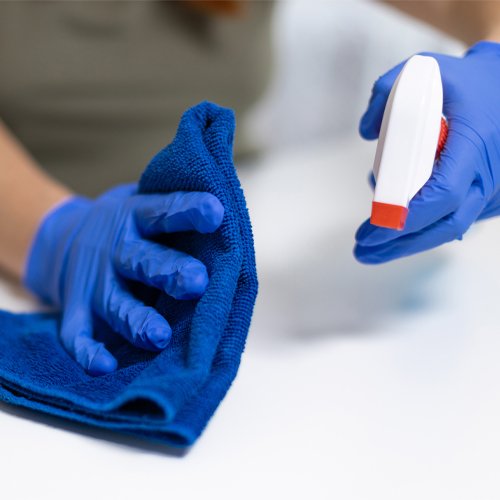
x,y
167,396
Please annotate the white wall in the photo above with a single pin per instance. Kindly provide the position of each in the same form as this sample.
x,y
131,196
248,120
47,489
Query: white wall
x,y
328,55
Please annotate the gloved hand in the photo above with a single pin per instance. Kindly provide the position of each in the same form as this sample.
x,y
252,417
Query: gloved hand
x,y
85,249
465,183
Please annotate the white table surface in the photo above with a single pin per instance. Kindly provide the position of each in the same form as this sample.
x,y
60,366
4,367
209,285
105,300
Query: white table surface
x,y
357,381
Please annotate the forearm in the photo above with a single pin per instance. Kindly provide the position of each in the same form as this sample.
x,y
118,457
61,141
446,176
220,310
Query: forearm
x,y
26,193
467,20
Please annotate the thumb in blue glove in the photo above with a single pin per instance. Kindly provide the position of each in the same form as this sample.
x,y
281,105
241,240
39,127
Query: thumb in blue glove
x,y
84,251
465,183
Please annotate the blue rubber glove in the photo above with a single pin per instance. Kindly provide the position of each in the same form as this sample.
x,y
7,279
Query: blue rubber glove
x,y
85,250
465,183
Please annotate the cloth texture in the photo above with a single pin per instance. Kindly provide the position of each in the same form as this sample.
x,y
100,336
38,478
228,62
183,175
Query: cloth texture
x,y
171,395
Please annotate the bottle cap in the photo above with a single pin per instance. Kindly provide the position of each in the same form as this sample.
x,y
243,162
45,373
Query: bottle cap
x,y
390,216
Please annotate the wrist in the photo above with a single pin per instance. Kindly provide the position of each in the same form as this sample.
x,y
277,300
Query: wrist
x,y
47,255
484,46
493,35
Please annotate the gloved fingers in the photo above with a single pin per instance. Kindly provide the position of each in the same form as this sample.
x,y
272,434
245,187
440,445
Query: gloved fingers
x,y
492,209
180,211
449,228
178,274
443,193
371,121
76,337
371,180
139,324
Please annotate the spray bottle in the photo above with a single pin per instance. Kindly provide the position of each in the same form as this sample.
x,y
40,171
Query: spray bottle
x,y
412,135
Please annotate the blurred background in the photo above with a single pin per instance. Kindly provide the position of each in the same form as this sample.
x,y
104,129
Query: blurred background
x,y
328,54
357,382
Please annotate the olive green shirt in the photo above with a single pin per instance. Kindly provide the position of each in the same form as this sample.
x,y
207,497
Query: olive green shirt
x,y
95,89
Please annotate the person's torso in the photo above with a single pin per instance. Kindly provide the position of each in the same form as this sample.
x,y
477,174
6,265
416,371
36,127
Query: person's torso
x,y
95,89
